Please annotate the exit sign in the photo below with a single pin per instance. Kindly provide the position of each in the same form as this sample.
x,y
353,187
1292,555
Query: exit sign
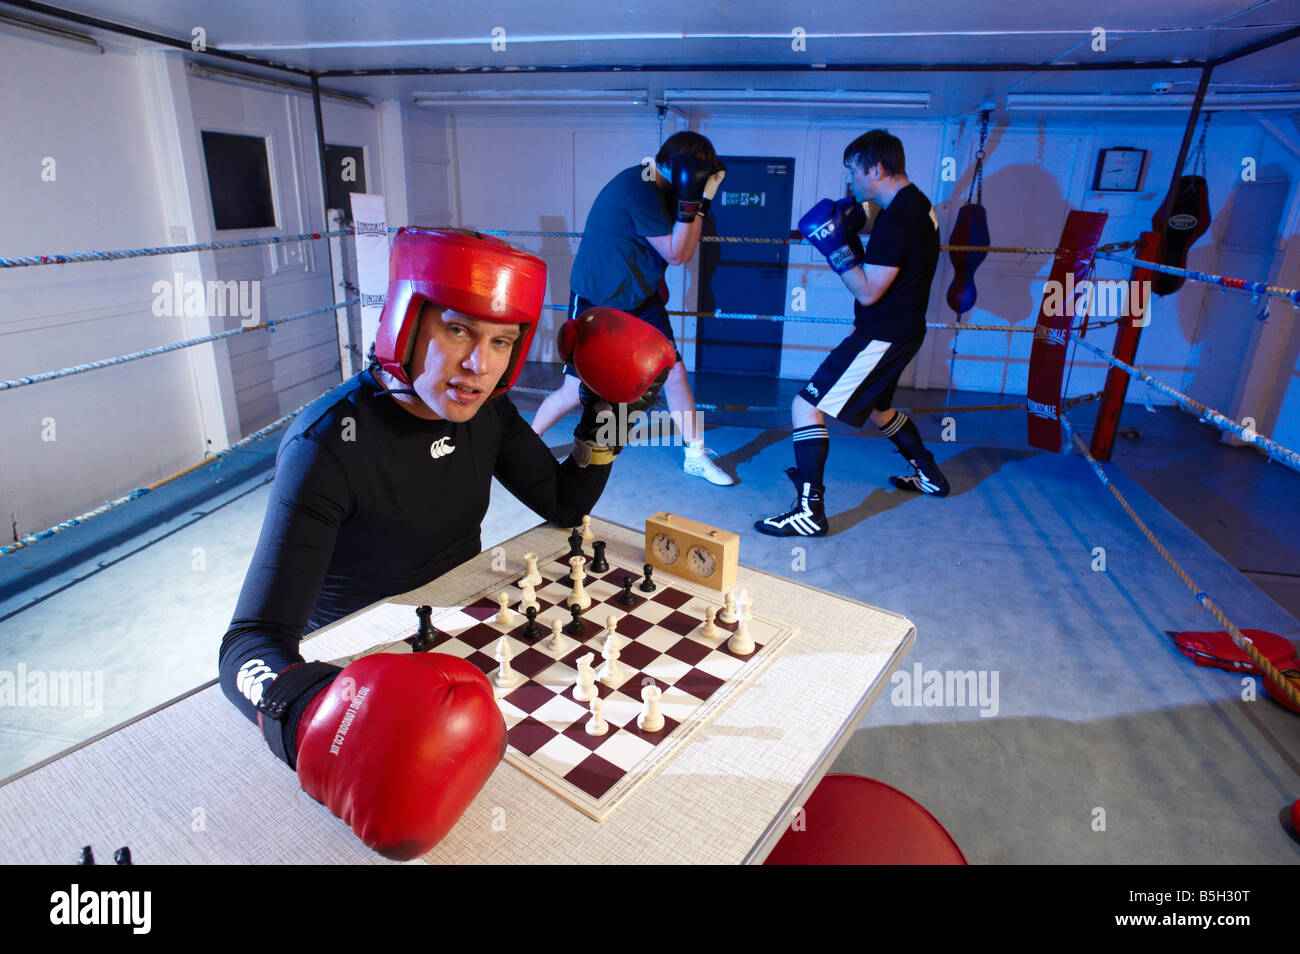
x,y
744,199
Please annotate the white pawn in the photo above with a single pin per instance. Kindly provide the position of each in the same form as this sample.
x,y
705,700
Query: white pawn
x,y
728,614
711,631
746,603
579,596
529,599
504,617
585,688
741,643
650,719
532,575
557,642
611,626
587,535
596,725
504,676
610,672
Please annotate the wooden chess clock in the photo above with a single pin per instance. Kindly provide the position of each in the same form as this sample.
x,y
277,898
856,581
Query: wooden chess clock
x,y
691,550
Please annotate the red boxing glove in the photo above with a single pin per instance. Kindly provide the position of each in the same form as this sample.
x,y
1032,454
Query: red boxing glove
x,y
615,354
398,746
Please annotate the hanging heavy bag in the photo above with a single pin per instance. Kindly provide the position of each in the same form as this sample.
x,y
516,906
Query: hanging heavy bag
x,y
1182,218
971,228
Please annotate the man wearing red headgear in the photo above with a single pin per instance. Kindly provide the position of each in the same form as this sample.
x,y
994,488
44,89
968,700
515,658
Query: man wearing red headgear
x,y
380,487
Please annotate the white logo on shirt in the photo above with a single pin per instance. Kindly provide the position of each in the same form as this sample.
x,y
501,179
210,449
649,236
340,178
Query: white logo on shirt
x,y
250,679
441,448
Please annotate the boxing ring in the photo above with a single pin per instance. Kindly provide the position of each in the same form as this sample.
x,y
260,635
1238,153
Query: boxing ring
x,y
1190,699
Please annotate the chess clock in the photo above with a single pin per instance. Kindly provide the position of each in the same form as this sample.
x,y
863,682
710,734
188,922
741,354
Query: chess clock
x,y
693,551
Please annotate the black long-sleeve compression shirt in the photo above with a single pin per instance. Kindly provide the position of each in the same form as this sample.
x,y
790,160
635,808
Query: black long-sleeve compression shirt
x,y
370,501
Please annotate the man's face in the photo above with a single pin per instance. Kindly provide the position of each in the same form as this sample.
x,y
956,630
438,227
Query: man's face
x,y
458,361
865,183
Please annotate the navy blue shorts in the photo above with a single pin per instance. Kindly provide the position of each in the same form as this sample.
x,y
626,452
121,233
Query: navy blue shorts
x,y
859,376
651,311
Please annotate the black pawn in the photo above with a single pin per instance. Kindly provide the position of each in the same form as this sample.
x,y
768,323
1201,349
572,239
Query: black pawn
x,y
626,598
598,562
575,543
424,636
648,585
87,856
576,627
532,630
122,856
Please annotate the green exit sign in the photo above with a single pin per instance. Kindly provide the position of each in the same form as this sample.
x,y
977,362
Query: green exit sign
x,y
744,199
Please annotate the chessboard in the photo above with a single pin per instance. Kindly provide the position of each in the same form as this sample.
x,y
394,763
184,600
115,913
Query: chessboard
x,y
661,643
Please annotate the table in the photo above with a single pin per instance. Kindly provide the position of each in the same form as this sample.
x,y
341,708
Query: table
x,y
192,781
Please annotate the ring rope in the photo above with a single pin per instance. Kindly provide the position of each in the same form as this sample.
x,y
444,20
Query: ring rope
x,y
1274,450
140,492
70,258
1257,288
163,349
1202,597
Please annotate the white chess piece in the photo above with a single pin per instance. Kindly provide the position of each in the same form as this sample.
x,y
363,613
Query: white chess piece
x,y
746,603
587,535
711,630
596,725
558,641
504,617
579,596
741,643
585,688
532,575
529,599
504,676
610,672
650,719
728,614
611,625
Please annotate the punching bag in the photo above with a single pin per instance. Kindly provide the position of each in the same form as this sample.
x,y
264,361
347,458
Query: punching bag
x,y
971,228
1181,219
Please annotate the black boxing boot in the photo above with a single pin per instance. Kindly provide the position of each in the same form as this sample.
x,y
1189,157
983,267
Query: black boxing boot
x,y
805,518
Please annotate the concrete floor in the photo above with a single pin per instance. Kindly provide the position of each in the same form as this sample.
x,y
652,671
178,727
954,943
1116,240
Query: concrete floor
x,y
1101,743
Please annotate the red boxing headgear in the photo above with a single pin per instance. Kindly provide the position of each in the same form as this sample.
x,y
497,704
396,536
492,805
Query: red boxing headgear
x,y
474,275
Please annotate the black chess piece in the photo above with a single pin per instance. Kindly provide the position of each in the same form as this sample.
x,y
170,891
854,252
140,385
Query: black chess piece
x,y
575,543
87,856
576,627
648,584
424,636
598,562
122,856
532,630
626,598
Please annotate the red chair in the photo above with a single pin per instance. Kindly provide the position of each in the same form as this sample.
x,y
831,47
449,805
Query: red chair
x,y
851,820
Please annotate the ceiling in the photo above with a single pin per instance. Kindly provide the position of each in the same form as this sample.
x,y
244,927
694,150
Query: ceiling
x,y
735,44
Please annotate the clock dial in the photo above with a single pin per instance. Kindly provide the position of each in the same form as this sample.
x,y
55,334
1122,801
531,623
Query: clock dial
x,y
701,562
665,548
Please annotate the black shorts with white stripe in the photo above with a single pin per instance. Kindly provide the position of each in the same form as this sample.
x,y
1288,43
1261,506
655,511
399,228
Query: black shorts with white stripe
x,y
860,375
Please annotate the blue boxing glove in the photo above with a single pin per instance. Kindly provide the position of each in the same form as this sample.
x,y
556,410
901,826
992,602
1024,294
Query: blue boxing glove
x,y
832,228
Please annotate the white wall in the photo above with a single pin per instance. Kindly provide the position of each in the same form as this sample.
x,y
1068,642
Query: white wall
x,y
124,132
122,427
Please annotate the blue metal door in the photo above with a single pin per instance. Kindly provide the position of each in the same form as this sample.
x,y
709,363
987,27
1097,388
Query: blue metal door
x,y
755,200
